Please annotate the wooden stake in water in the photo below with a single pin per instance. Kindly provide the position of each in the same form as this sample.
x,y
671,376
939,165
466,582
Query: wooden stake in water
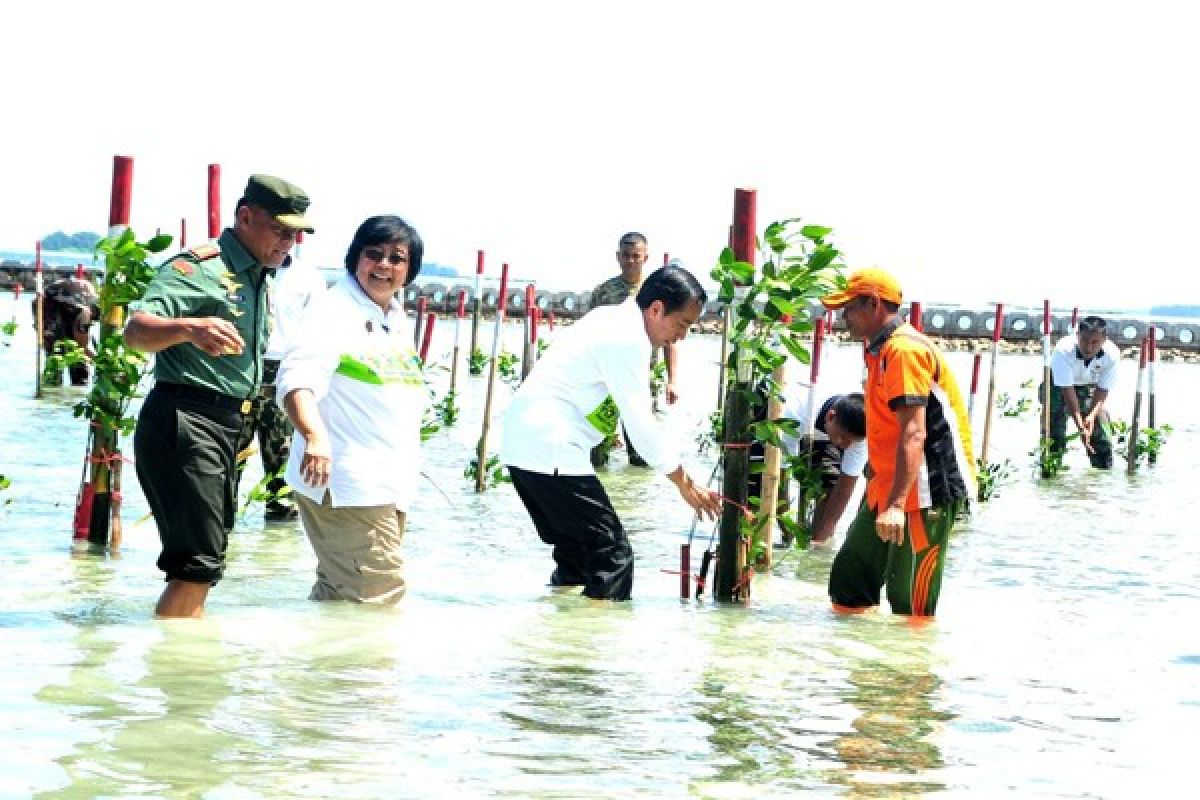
x,y
458,318
1047,378
39,289
1152,354
991,396
1131,458
214,201
481,451
731,583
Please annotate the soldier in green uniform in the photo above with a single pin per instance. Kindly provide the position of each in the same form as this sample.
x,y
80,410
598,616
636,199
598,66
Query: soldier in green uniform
x,y
205,317
632,255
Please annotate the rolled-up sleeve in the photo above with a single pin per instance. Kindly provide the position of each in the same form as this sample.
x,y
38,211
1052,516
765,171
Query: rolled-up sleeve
x,y
312,354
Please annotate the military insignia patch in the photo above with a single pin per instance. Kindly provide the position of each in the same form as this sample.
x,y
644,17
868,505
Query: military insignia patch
x,y
183,267
205,251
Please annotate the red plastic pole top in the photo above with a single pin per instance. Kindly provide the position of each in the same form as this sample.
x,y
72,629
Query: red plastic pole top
x,y
299,237
537,318
79,271
818,340
914,316
530,298
428,337
550,319
183,233
1152,335
422,303
478,262
122,191
502,298
1142,355
462,303
744,224
37,255
975,372
214,201
1074,316
666,259
999,329
1046,316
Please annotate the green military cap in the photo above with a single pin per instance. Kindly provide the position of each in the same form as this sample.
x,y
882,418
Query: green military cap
x,y
284,201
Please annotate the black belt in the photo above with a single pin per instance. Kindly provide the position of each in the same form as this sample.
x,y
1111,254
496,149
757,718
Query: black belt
x,y
207,397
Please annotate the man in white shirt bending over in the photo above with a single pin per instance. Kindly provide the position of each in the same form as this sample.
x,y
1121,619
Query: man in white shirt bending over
x,y
1083,369
598,371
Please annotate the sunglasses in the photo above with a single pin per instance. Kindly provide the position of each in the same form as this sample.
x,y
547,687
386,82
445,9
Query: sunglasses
x,y
377,255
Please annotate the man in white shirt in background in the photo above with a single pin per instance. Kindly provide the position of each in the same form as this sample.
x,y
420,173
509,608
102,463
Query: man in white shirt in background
x,y
598,371
1083,368
293,286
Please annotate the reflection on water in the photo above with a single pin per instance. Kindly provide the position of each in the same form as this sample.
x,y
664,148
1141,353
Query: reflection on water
x,y
1064,662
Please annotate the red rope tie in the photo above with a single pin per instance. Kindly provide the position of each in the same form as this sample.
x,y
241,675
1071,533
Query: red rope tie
x,y
108,458
745,509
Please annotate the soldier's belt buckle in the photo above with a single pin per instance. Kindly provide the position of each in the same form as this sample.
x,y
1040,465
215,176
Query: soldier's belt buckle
x,y
246,406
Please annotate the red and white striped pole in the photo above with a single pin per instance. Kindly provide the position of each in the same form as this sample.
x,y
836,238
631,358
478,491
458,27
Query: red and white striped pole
x,y
481,452
1074,319
296,247
422,302
666,259
428,337
976,363
1131,458
476,303
915,317
530,331
458,318
997,331
39,289
1152,360
214,201
1047,377
814,374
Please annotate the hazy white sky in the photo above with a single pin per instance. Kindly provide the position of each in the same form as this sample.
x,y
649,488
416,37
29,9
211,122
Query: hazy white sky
x,y
981,151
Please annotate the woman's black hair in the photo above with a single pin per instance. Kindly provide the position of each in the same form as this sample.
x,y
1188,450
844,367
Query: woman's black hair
x,y
387,229
674,286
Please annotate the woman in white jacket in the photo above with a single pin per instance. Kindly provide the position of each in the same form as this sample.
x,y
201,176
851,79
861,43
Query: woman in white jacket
x,y
353,388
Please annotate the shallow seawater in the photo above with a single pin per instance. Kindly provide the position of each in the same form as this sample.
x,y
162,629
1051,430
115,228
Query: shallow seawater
x,y
1065,660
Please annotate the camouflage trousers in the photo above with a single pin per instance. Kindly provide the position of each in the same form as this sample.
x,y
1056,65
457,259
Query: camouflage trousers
x,y
273,428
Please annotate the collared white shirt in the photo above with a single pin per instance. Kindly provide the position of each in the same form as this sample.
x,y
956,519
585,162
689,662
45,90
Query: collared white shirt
x,y
370,392
854,457
289,292
1067,367
570,402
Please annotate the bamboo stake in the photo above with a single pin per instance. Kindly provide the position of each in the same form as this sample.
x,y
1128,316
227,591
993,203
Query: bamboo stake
x,y
1150,367
481,452
991,396
39,296
458,318
1131,459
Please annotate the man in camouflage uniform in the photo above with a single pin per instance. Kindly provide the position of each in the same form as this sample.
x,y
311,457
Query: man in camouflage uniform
x,y
204,316
632,255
